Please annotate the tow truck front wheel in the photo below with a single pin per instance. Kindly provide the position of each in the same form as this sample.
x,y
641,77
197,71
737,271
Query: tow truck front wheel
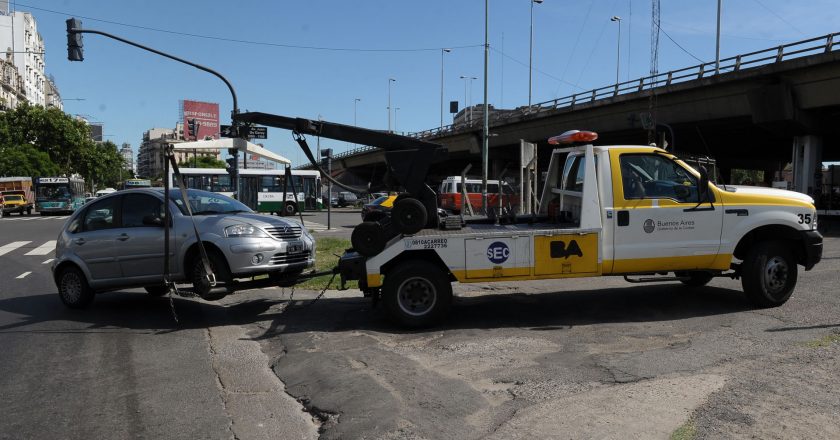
x,y
416,294
768,274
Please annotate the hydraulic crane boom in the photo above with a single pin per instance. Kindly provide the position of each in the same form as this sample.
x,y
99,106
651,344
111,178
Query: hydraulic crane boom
x,y
407,160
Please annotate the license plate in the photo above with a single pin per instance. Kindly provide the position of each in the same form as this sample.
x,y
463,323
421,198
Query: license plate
x,y
295,248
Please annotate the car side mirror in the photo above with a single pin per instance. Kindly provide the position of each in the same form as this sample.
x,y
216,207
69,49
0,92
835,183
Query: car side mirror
x,y
151,220
703,187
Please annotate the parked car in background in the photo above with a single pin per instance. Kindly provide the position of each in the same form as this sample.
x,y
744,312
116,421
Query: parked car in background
x,y
378,208
116,241
450,194
342,199
14,202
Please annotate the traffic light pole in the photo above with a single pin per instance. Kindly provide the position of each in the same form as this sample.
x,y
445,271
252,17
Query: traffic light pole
x,y
74,47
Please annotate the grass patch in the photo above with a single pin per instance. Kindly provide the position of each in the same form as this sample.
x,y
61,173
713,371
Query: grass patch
x,y
825,341
326,249
687,431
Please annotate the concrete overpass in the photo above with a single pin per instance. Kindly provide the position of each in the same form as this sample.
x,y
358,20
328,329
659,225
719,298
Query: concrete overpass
x,y
751,115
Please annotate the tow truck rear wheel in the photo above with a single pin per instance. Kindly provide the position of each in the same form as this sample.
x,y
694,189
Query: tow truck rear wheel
x,y
416,294
768,274
409,215
695,278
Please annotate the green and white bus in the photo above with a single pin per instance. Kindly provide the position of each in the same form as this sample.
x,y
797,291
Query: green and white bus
x,y
261,190
59,195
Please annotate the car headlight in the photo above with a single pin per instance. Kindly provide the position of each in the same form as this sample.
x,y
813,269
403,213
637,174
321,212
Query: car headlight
x,y
244,231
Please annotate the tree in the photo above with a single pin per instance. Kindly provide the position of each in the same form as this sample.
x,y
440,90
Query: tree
x,y
25,160
49,130
37,141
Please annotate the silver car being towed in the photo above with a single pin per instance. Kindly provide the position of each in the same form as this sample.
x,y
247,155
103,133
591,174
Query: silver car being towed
x,y
117,242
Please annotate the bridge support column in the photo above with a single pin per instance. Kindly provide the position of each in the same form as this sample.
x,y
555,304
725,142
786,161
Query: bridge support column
x,y
807,162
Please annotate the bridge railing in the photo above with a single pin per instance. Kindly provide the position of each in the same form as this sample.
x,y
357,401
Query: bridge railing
x,y
812,46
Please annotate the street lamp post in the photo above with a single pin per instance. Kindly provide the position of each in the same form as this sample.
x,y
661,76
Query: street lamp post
x,y
467,103
355,101
390,80
617,19
442,51
717,40
531,50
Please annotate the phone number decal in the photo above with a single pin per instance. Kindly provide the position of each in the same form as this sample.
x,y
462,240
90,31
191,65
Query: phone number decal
x,y
426,243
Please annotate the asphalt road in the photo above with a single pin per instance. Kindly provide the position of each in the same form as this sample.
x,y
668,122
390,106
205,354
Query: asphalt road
x,y
123,368
573,359
586,358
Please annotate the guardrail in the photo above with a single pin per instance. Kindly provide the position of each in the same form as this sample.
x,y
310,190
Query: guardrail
x,y
812,46
799,49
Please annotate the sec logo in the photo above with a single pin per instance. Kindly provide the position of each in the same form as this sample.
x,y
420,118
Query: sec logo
x,y
498,252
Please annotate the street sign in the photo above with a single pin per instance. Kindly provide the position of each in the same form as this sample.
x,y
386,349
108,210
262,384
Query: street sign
x,y
256,132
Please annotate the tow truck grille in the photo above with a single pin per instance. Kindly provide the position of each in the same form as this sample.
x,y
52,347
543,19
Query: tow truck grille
x,y
284,232
290,258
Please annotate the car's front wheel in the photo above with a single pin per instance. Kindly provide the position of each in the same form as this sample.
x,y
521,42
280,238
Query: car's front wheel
x,y
201,285
73,288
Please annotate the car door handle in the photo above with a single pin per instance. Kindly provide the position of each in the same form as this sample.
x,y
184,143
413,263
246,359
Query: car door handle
x,y
122,237
79,241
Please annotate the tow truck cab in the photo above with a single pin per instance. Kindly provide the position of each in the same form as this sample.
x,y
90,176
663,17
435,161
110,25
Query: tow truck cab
x,y
635,211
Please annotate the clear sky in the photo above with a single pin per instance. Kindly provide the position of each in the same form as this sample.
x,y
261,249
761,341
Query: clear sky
x,y
311,58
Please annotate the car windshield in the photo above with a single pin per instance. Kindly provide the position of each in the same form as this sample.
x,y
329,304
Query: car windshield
x,y
207,203
12,198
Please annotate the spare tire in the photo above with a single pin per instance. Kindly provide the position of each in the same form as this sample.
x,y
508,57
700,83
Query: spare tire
x,y
368,238
409,215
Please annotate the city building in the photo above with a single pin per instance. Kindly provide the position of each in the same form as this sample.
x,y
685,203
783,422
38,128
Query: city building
x,y
128,157
12,90
53,97
19,36
150,155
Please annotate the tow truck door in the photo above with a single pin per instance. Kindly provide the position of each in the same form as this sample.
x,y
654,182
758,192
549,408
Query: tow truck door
x,y
658,225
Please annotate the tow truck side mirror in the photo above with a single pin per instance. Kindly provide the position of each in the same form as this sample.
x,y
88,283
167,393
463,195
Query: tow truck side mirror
x,y
703,187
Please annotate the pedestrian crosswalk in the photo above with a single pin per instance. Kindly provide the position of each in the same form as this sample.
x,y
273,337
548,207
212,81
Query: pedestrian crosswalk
x,y
312,226
8,218
27,248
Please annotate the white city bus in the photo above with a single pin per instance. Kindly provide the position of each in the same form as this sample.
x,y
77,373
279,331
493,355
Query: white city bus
x,y
262,190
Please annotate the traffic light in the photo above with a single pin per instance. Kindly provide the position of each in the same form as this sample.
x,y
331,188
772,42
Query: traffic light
x,y
192,125
74,40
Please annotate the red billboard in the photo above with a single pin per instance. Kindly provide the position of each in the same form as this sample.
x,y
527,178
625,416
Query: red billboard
x,y
203,117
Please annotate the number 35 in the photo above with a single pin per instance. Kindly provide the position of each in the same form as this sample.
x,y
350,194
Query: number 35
x,y
804,218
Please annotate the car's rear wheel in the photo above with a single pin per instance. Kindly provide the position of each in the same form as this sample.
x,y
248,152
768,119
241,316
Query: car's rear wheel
x,y
73,288
201,285
157,290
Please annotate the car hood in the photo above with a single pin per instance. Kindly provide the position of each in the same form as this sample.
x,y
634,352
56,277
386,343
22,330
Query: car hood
x,y
760,192
259,220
